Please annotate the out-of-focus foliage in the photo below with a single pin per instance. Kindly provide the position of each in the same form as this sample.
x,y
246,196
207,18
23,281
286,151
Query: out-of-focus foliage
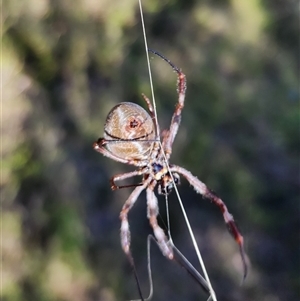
x,y
66,63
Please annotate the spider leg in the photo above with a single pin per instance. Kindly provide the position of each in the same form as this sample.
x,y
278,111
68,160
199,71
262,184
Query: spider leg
x,y
181,260
152,113
201,188
125,232
159,234
176,118
123,176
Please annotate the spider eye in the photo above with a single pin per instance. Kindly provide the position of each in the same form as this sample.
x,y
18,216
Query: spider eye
x,y
129,132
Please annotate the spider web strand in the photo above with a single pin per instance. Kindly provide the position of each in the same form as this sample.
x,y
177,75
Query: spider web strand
x,y
213,296
149,68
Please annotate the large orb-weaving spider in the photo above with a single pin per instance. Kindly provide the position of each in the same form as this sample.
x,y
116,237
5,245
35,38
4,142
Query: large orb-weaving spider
x,y
131,136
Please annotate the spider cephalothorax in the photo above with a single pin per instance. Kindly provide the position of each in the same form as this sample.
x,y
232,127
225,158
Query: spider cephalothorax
x,y
132,136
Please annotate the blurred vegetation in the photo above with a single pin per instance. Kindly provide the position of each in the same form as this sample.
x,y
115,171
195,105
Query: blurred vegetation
x,y
66,63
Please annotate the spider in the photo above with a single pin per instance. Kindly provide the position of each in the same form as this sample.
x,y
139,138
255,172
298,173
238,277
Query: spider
x,y
131,136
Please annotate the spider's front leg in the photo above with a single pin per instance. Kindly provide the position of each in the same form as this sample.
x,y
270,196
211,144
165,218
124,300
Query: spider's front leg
x,y
201,188
159,233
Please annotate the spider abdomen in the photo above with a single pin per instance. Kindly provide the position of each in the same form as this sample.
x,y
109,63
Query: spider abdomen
x,y
129,132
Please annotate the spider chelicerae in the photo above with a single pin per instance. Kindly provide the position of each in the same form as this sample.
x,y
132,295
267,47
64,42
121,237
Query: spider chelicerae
x,y
132,136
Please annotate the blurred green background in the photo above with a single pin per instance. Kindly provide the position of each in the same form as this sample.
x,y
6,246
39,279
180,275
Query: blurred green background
x,y
66,63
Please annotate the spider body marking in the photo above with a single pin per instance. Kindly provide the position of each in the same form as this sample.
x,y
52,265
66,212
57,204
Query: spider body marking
x,y
131,136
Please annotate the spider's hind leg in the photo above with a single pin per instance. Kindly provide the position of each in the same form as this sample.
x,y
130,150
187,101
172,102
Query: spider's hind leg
x,y
201,188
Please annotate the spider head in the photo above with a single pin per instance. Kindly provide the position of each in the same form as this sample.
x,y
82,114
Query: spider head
x,y
166,184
